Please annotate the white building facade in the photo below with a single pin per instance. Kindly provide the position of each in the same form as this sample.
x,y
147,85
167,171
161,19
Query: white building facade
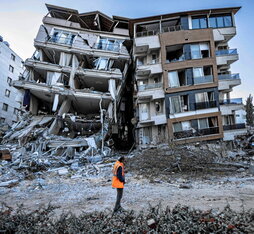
x,y
11,67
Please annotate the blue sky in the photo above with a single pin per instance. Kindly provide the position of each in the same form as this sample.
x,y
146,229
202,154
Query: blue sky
x,y
20,20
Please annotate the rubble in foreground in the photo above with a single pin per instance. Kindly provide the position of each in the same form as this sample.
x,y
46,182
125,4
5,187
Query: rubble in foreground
x,y
180,219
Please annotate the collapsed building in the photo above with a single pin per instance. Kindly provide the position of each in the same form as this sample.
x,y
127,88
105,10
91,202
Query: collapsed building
x,y
117,81
76,82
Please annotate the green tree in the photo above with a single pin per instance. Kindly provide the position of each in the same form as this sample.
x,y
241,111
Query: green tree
x,y
249,111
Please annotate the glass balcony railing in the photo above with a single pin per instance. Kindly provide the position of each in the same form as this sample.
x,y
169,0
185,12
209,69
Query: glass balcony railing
x,y
149,86
205,105
231,101
107,46
62,39
229,76
226,52
234,126
148,33
203,79
196,133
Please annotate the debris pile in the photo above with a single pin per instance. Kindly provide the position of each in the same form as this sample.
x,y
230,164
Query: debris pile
x,y
180,219
191,160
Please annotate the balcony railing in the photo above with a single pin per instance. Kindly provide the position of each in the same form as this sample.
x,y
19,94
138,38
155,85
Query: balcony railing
x,y
229,76
107,46
172,28
231,101
62,40
148,33
196,133
203,79
234,126
205,105
226,52
149,86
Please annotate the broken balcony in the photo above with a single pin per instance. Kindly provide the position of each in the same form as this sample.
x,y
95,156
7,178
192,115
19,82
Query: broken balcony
x,y
149,69
228,106
226,57
228,81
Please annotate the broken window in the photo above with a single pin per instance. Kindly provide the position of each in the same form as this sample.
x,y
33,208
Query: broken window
x,y
177,78
2,120
171,25
53,78
201,97
174,53
228,120
62,37
13,57
11,68
202,75
101,63
159,107
199,51
148,29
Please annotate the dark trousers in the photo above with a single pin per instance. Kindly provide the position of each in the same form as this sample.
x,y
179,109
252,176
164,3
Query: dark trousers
x,y
118,198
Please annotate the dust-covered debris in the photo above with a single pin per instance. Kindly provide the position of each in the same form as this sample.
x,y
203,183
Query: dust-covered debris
x,y
180,219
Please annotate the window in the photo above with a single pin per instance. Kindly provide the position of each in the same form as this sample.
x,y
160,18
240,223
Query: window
x,y
220,21
199,51
2,120
175,104
7,93
173,79
13,57
101,64
203,123
154,58
201,97
144,115
9,80
62,37
109,44
16,111
158,107
5,107
177,127
11,68
140,61
199,22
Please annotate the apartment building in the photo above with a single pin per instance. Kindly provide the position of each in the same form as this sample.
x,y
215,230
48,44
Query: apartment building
x,y
183,77
78,74
11,66
157,79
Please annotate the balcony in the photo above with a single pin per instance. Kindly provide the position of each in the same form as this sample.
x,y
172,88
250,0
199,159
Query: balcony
x,y
224,34
149,86
149,69
205,105
233,101
229,77
107,46
226,57
234,126
150,42
228,81
203,79
196,133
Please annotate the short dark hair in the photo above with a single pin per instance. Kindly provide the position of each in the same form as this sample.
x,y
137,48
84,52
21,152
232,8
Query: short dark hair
x,y
121,159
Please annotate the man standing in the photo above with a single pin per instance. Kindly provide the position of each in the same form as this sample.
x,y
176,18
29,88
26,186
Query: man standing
x,y
118,181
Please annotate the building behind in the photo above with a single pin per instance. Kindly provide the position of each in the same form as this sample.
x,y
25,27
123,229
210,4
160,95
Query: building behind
x,y
183,77
11,67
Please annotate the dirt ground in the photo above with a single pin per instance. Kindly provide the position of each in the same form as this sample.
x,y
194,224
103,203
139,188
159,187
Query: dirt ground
x,y
95,193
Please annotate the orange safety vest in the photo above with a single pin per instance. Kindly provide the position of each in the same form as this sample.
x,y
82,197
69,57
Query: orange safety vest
x,y
116,183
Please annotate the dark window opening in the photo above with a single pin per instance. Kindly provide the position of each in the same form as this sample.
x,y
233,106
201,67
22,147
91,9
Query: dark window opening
x,y
171,25
149,29
174,53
